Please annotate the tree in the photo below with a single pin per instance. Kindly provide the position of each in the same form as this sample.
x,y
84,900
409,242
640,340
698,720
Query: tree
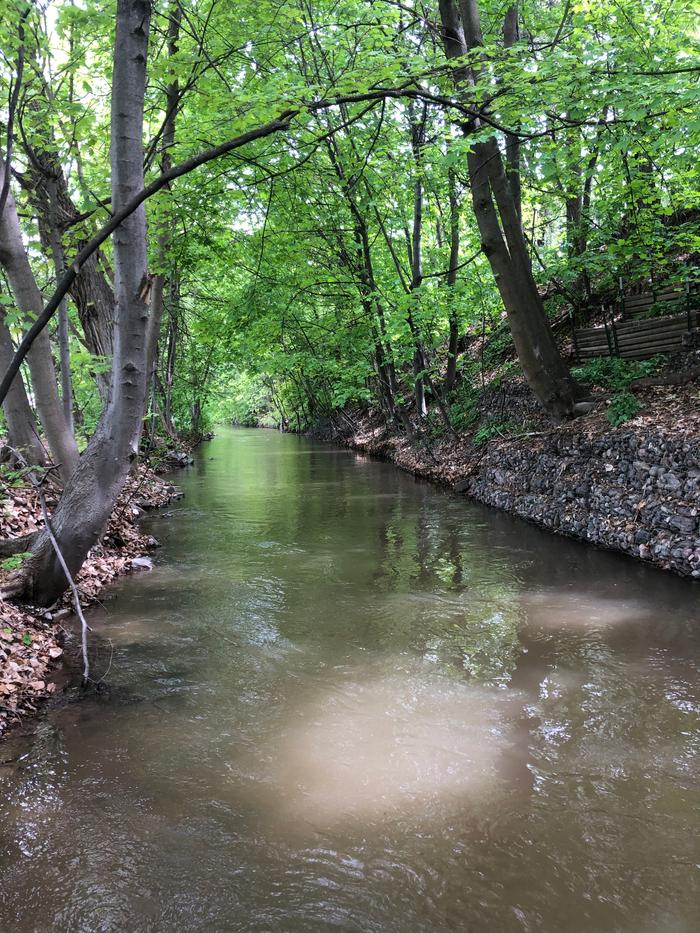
x,y
21,426
91,493
14,260
498,217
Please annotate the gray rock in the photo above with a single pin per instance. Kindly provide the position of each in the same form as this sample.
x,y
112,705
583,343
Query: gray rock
x,y
142,563
683,523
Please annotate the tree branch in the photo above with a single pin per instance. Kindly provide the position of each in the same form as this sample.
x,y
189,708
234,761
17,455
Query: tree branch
x,y
12,109
38,484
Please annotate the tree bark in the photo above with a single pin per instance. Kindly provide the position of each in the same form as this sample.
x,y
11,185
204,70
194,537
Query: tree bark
x,y
92,492
578,207
47,189
416,257
21,426
59,261
511,34
170,358
14,259
502,237
453,345
165,234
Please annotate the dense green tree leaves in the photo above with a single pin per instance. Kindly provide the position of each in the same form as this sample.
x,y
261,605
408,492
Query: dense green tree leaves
x,y
266,287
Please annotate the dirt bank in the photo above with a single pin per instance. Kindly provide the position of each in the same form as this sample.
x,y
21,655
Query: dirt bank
x,y
32,640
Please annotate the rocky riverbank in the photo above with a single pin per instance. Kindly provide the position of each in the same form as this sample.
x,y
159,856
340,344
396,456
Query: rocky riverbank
x,y
633,488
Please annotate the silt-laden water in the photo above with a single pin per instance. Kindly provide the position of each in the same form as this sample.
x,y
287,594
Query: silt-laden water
x,y
347,700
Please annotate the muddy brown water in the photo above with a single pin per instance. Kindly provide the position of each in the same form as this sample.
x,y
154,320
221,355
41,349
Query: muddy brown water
x,y
347,700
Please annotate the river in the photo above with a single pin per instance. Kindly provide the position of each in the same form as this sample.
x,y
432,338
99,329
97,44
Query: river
x,y
345,699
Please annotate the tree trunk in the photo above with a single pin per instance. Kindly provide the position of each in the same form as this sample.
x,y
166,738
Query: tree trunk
x,y
91,494
170,366
165,234
196,418
21,427
578,207
15,261
453,344
505,248
577,239
59,261
511,34
47,190
358,258
503,240
416,256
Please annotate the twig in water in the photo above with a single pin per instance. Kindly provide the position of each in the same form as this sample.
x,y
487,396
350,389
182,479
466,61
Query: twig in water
x,y
109,666
37,484
74,589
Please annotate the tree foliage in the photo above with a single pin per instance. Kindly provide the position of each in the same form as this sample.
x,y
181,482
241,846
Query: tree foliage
x,y
337,260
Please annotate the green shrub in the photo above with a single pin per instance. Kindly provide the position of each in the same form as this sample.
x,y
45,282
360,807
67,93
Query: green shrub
x,y
493,428
622,407
13,562
498,345
462,403
463,415
13,479
616,374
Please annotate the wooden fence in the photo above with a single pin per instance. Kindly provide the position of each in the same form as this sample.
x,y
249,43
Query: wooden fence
x,y
643,324
635,340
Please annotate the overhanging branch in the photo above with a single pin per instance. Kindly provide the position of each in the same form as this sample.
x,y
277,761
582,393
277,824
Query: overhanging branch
x,y
278,124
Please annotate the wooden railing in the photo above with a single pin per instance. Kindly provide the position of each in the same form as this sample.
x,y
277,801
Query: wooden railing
x,y
641,324
635,339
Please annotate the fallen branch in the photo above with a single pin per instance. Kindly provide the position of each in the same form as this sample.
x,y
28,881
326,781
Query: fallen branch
x,y
38,486
74,589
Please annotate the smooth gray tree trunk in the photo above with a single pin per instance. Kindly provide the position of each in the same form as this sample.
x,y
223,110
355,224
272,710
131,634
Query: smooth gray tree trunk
x,y
14,259
21,426
90,496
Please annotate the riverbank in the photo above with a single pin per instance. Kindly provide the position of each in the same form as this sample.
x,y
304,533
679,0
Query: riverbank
x,y
633,488
33,640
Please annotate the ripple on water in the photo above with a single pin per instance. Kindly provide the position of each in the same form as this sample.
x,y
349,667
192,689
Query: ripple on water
x,y
319,743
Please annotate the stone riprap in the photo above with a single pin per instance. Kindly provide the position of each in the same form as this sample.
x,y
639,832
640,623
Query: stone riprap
x,y
628,491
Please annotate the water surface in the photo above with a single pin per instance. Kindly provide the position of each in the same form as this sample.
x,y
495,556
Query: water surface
x,y
347,700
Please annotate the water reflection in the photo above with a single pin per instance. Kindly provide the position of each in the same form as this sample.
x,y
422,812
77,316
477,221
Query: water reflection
x,y
345,699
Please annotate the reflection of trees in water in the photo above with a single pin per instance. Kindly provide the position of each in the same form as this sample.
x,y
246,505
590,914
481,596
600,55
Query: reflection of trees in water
x,y
383,562
438,590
